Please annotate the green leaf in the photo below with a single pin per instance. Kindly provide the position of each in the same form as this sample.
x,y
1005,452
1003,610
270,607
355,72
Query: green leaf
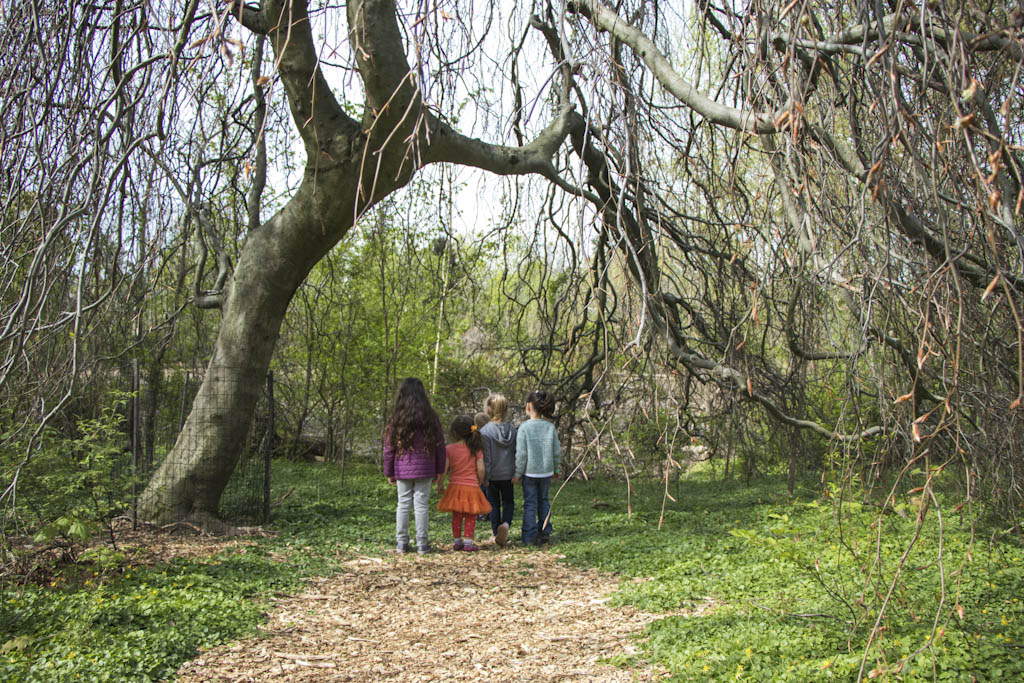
x,y
17,643
78,530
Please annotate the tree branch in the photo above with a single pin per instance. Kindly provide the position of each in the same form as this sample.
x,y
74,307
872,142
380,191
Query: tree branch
x,y
324,127
391,90
259,169
605,19
448,145
909,224
210,298
253,18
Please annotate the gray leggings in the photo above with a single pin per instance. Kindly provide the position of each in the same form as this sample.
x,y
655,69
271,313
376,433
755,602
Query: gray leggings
x,y
414,494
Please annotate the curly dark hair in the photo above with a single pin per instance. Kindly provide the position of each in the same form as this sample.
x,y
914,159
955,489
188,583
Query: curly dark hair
x,y
543,403
413,414
464,427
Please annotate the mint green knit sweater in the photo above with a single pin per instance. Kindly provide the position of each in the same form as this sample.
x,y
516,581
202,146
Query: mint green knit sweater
x,y
537,449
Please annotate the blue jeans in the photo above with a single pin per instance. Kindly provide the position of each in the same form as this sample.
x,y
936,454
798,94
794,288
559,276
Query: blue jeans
x,y
536,508
415,494
503,504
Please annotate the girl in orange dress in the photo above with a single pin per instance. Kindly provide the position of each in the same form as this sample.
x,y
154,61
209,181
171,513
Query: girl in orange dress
x,y
464,467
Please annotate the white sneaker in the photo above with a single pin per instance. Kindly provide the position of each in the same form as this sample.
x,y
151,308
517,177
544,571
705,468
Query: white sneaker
x,y
501,538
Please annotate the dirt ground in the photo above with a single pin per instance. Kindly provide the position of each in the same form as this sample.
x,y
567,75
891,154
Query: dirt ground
x,y
496,615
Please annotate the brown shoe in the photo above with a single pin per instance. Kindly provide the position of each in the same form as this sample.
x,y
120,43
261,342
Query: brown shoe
x,y
501,537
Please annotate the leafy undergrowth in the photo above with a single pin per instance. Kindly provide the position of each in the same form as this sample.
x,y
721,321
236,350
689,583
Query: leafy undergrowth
x,y
108,619
762,587
753,585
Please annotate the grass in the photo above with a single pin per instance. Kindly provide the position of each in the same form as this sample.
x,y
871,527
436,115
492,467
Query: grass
x,y
753,585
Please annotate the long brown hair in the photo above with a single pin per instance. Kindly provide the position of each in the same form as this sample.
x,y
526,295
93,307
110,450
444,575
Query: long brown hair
x,y
413,415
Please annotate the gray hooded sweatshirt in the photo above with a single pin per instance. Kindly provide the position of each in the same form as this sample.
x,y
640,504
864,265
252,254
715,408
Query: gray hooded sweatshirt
x,y
499,450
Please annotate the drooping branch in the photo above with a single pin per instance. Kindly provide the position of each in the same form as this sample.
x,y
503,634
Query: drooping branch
x,y
209,298
205,299
665,322
794,343
914,227
619,210
605,19
172,76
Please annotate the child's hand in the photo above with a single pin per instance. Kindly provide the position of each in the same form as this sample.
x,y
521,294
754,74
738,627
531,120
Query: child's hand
x,y
391,480
515,480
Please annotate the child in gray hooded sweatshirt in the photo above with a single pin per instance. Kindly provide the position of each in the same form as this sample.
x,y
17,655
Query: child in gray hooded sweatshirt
x,y
499,439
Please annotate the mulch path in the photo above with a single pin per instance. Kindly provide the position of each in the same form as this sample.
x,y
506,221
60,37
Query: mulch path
x,y
507,614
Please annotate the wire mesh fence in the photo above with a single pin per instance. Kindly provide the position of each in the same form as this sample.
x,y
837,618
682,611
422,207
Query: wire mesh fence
x,y
157,416
247,496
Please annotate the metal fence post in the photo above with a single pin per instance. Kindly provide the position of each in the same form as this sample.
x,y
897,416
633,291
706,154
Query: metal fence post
x,y
184,400
135,443
268,447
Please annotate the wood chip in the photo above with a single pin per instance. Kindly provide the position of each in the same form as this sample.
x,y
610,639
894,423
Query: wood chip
x,y
411,619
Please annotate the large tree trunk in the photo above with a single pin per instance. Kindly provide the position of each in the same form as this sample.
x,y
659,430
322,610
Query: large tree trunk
x,y
275,260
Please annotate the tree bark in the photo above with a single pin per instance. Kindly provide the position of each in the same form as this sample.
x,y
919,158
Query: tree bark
x,y
273,263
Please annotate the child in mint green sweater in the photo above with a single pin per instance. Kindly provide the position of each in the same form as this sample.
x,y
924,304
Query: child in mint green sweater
x,y
537,456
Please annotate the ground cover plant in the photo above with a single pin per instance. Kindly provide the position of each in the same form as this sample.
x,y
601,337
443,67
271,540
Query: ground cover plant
x,y
760,586
125,621
752,584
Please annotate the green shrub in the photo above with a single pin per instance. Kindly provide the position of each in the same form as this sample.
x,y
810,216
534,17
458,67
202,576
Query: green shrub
x,y
74,485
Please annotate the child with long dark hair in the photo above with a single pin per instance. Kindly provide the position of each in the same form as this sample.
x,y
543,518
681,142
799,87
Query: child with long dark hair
x,y
537,457
414,455
465,470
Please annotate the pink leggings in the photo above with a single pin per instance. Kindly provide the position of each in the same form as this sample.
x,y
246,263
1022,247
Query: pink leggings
x,y
457,520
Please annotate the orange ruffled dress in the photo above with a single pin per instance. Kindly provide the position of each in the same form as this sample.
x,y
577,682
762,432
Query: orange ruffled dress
x,y
463,493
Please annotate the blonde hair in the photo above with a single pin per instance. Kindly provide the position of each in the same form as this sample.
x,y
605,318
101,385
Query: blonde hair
x,y
496,406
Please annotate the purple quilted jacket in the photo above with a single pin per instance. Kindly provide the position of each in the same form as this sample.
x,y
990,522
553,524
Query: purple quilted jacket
x,y
416,463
